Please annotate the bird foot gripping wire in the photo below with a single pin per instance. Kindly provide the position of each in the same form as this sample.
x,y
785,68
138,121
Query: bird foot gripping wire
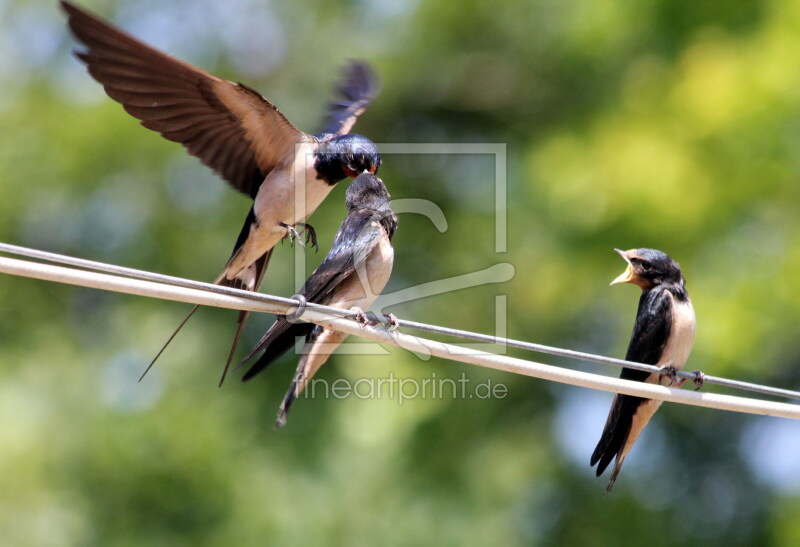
x,y
389,320
672,373
698,380
392,323
361,318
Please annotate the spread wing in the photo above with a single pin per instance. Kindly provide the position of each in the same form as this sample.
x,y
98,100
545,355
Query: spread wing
x,y
230,127
650,333
355,240
356,90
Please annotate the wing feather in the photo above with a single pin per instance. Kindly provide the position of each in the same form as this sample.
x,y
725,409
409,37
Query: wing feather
x,y
216,120
355,240
649,337
357,236
356,91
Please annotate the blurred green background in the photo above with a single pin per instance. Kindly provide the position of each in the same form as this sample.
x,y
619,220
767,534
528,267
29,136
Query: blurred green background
x,y
666,124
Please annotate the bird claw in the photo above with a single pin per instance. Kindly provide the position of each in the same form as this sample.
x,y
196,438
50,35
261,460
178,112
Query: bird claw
x,y
361,318
293,235
699,379
311,234
393,322
672,373
369,318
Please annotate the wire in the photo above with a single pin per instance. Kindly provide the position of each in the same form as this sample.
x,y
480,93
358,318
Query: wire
x,y
572,354
402,323
245,300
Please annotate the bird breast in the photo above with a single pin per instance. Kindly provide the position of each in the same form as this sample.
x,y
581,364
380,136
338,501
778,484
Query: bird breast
x,y
291,192
366,283
681,337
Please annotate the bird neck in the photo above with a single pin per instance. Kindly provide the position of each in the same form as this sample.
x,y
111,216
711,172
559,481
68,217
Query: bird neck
x,y
389,223
384,215
678,290
329,167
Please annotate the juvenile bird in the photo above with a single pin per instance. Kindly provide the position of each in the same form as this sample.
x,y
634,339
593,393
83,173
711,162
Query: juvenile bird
x,y
353,274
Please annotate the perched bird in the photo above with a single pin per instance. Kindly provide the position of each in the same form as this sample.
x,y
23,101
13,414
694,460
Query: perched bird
x,y
353,274
663,335
238,133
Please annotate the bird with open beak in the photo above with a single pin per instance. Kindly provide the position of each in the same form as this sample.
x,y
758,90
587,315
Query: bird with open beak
x,y
663,335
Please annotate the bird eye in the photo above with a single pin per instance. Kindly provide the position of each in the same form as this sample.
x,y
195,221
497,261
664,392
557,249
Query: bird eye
x,y
646,266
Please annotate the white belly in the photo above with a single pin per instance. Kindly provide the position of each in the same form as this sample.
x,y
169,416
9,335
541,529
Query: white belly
x,y
681,336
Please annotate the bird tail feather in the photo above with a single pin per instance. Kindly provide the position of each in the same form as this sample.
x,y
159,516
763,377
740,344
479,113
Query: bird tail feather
x,y
259,268
614,473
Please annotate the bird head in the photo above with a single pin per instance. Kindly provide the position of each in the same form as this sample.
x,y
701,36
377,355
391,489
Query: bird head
x,y
360,155
648,268
367,192
347,156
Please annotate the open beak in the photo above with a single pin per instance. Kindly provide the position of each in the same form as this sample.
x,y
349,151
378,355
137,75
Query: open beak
x,y
627,276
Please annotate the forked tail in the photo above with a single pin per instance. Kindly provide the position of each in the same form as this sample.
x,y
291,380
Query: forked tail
x,y
259,267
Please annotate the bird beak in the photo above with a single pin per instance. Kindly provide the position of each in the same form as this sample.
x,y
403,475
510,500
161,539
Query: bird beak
x,y
627,276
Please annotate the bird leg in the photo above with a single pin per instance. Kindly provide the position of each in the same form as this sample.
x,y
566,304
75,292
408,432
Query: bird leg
x,y
293,235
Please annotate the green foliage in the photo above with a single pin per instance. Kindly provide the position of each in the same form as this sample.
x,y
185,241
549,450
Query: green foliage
x,y
673,125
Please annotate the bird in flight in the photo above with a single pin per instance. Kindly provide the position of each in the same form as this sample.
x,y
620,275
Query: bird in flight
x,y
239,134
663,335
353,274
